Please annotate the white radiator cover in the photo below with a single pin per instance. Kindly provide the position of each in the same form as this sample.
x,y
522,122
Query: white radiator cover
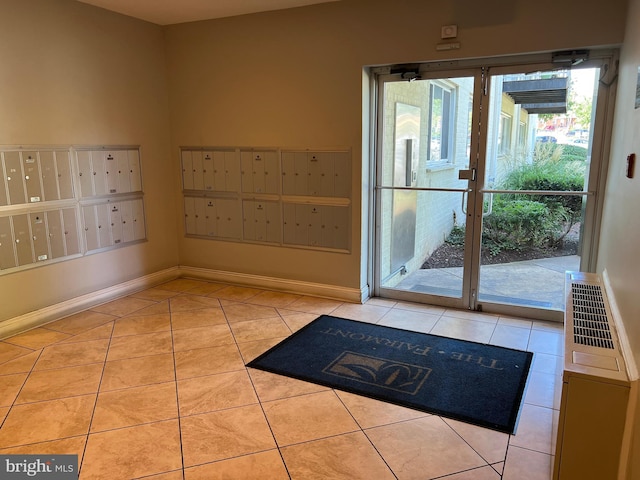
x,y
595,388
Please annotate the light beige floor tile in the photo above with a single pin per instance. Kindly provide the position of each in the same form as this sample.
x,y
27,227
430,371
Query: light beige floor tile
x,y
123,306
175,475
374,413
80,322
215,392
155,294
66,446
258,466
409,320
159,308
205,317
132,452
420,307
138,371
186,302
207,361
516,322
251,350
37,338
241,312
217,396
10,386
471,315
510,337
523,464
181,284
545,363
253,330
270,386
135,406
361,313
489,444
11,352
542,341
350,456
381,302
482,473
202,337
136,325
71,354
536,429
20,364
224,434
140,345
240,294
97,333
274,299
295,321
206,289
439,452
44,421
555,327
60,383
544,390
304,418
314,305
463,329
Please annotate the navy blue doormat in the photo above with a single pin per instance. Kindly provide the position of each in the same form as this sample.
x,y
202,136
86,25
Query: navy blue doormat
x,y
472,382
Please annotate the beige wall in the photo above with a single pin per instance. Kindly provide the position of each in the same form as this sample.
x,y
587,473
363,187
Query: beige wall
x,y
71,74
618,253
290,78
293,79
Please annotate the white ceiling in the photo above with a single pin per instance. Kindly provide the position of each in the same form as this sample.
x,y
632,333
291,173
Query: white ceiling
x,y
167,12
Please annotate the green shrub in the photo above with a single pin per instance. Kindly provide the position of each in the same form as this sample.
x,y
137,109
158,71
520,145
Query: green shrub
x,y
573,153
549,177
517,224
456,236
519,221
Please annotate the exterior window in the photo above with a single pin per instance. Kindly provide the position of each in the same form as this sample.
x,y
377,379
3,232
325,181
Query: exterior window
x,y
504,134
440,124
522,135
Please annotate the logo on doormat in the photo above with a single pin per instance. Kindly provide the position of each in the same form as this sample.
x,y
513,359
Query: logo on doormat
x,y
389,374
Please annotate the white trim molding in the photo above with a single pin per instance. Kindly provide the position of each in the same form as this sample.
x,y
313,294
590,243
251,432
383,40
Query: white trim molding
x,y
346,294
63,309
51,313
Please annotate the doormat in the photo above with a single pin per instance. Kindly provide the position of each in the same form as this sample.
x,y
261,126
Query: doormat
x,y
467,381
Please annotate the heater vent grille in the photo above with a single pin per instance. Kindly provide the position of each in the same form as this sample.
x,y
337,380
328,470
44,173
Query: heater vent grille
x,y
591,325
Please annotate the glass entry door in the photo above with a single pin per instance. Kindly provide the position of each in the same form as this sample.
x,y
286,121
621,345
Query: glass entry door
x,y
424,180
486,184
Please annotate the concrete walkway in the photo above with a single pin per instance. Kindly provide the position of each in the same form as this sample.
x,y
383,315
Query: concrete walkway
x,y
535,283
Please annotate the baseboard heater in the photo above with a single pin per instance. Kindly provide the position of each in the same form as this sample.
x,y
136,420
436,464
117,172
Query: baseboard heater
x,y
595,385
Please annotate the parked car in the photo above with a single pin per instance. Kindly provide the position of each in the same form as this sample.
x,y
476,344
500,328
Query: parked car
x,y
546,139
580,142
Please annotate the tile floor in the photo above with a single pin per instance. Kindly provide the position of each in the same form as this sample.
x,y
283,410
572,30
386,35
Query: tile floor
x,y
154,386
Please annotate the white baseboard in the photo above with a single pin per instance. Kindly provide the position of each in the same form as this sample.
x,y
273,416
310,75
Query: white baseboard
x,y
63,309
353,295
60,310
